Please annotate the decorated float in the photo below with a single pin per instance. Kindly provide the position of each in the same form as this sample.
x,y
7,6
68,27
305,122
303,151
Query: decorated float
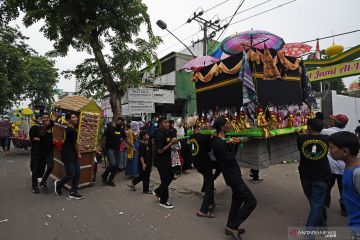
x,y
90,122
25,118
261,87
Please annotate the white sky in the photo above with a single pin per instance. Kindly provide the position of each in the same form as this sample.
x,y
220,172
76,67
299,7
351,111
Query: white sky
x,y
298,21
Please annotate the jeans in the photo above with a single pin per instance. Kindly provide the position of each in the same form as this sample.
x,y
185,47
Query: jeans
x,y
114,160
209,192
144,177
166,177
72,170
123,159
242,204
4,141
316,192
38,167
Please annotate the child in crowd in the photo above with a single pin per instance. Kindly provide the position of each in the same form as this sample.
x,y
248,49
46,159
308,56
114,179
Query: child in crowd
x,y
345,146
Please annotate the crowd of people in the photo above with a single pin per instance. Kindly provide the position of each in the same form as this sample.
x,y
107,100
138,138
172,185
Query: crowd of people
x,y
327,155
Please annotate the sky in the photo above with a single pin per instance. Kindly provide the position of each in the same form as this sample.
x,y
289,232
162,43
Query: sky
x,y
298,21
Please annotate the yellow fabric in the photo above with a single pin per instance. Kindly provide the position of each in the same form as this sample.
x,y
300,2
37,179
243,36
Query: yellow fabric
x,y
130,149
215,71
285,62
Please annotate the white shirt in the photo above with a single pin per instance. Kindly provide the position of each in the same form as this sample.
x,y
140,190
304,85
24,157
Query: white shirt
x,y
337,166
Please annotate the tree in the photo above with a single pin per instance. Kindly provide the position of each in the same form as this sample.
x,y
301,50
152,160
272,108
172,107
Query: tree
x,y
89,25
13,52
336,84
41,81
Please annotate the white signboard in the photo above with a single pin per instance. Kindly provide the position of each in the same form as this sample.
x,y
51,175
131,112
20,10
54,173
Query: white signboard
x,y
163,96
125,110
140,95
105,104
141,107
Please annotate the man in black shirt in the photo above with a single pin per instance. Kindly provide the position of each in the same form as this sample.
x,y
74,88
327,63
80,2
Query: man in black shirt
x,y
201,146
113,136
243,201
163,141
70,156
315,171
145,163
34,135
47,149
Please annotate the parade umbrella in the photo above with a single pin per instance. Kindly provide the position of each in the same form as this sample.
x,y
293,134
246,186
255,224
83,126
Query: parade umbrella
x,y
296,49
199,62
255,39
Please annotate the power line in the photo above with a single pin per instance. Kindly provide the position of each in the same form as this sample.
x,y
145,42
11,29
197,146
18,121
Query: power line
x,y
226,25
245,10
180,26
217,5
271,9
336,35
179,43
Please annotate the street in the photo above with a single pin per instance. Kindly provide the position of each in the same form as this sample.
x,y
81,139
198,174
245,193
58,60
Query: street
x,y
117,213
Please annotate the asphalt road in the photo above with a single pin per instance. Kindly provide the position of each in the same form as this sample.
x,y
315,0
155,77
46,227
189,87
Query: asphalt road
x,y
117,213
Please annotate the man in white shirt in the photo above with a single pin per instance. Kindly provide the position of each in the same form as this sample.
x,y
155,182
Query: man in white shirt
x,y
337,167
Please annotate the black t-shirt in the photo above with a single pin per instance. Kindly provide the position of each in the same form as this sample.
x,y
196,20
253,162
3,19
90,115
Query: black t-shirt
x,y
225,157
46,139
68,150
113,137
201,145
162,139
35,145
145,152
314,164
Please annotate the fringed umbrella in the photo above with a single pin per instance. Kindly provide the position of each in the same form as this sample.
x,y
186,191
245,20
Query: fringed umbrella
x,y
199,62
296,49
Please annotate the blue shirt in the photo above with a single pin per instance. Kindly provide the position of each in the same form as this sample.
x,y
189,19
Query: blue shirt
x,y
351,197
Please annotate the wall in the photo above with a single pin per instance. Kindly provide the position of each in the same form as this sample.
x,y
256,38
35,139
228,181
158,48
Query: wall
x,y
350,106
185,89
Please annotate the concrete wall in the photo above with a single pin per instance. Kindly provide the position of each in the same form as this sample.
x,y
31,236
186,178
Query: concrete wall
x,y
350,106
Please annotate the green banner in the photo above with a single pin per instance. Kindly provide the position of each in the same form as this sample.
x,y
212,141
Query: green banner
x,y
339,70
257,132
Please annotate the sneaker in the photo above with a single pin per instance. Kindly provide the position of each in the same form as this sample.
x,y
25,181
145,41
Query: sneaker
x,y
44,187
233,235
57,188
35,191
156,195
111,184
76,196
132,187
166,205
258,180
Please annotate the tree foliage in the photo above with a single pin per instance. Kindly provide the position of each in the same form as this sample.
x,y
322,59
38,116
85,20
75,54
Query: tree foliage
x,y
23,74
42,77
89,26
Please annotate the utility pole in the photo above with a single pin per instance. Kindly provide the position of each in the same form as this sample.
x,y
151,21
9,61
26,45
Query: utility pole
x,y
206,25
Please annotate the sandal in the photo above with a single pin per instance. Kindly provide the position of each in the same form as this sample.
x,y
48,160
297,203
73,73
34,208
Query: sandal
x,y
205,215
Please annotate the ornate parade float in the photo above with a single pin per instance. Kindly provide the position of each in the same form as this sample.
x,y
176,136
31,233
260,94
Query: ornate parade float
x,y
88,130
261,87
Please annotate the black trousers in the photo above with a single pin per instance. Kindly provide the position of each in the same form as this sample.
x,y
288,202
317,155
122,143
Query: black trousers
x,y
166,177
242,204
144,176
215,167
254,174
39,163
208,186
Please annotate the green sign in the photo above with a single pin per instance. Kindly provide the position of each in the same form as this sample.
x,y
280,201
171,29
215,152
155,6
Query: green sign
x,y
339,70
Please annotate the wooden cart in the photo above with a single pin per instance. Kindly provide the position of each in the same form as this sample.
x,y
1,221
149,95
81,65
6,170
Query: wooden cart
x,y
89,114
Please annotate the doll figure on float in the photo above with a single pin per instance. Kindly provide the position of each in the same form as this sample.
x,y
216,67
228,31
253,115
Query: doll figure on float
x,y
273,121
262,123
243,120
